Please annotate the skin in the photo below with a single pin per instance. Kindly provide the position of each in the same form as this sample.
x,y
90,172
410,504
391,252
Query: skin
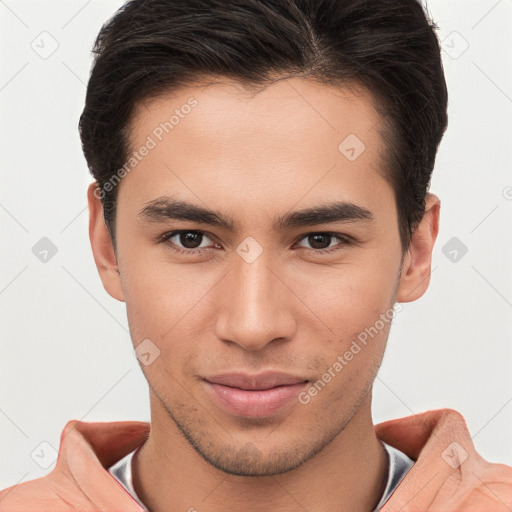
x,y
255,157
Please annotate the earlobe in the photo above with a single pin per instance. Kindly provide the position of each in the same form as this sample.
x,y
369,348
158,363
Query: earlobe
x,y
416,268
102,247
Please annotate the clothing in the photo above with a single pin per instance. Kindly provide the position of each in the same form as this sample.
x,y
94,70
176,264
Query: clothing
x,y
399,465
448,475
122,472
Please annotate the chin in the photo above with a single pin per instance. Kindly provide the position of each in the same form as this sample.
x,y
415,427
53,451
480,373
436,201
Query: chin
x,y
250,461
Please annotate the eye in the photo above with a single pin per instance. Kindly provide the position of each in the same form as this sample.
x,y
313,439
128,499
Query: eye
x,y
193,242
321,242
187,241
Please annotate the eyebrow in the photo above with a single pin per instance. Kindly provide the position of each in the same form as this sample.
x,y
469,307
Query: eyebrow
x,y
170,208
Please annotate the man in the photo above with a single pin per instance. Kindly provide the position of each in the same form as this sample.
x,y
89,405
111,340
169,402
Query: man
x,y
261,204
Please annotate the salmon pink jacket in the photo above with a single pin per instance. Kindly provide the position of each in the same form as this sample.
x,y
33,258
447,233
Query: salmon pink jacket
x,y
448,474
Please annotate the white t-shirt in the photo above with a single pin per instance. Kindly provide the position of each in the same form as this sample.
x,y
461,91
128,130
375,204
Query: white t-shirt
x,y
399,465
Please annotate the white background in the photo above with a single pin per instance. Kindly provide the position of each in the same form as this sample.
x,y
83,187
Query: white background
x,y
65,347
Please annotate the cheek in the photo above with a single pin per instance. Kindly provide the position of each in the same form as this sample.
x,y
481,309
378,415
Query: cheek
x,y
351,297
166,303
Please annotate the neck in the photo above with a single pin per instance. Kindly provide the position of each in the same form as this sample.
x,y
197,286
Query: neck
x,y
350,473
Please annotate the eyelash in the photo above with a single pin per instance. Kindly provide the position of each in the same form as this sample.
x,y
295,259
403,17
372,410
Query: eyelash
x,y
344,239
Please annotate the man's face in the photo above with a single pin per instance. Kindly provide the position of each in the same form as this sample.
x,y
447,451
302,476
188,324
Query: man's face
x,y
261,297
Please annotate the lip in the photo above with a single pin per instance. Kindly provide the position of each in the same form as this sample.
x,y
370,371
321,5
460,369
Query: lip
x,y
254,396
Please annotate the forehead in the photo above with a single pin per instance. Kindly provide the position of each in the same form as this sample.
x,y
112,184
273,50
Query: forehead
x,y
291,141
280,110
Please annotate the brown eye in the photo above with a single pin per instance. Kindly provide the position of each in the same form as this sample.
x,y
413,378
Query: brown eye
x,y
190,239
321,242
187,241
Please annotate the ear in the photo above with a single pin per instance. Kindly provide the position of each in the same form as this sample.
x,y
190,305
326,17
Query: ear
x,y
102,247
416,268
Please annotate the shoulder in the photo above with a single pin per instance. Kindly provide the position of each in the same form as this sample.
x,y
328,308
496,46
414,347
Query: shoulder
x,y
448,474
485,486
79,480
45,494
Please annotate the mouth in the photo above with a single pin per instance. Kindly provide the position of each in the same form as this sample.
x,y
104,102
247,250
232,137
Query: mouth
x,y
254,396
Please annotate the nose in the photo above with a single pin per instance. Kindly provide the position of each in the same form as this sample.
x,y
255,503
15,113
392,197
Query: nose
x,y
255,306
